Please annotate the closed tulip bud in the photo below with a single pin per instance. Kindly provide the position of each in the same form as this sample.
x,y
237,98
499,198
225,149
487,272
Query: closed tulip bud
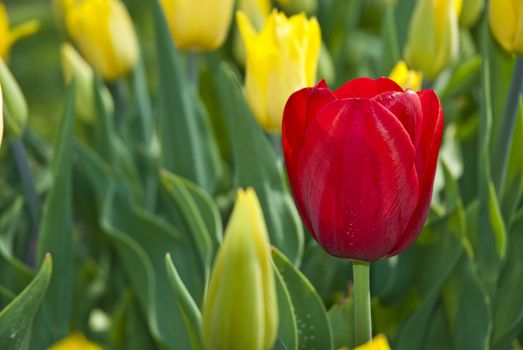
x,y
75,67
361,162
104,34
506,23
405,77
14,105
297,6
75,341
198,25
281,58
379,342
471,11
433,39
10,36
240,309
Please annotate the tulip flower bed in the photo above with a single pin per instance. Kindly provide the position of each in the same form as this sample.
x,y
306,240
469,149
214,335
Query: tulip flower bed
x,y
254,174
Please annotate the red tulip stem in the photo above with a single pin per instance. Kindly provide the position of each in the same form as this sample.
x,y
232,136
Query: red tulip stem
x,y
361,293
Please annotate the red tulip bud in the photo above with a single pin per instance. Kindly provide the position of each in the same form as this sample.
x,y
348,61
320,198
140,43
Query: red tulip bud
x,y
361,162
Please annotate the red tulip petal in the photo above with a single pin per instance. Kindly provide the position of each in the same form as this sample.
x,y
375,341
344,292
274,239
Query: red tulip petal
x,y
406,106
427,149
301,107
357,178
366,88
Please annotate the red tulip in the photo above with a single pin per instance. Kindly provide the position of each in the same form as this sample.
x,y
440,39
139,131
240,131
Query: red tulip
x,y
361,162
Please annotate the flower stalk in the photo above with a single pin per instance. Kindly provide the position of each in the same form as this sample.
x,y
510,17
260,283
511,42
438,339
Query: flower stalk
x,y
362,314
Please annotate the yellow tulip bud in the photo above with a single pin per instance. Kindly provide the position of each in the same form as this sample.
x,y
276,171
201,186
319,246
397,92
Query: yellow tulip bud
x,y
297,6
104,34
378,343
9,36
240,309
471,12
75,341
75,67
14,104
433,39
405,77
198,25
506,23
281,58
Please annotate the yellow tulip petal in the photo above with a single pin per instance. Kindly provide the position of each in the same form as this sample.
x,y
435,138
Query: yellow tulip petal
x,y
280,59
75,341
378,343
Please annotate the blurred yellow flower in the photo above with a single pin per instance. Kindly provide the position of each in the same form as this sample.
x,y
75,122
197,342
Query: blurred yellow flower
x,y
433,38
9,36
405,77
75,341
198,25
104,34
281,58
378,343
240,309
506,23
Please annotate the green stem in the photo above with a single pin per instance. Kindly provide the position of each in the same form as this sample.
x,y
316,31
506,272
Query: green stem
x,y
362,315
504,140
31,195
192,67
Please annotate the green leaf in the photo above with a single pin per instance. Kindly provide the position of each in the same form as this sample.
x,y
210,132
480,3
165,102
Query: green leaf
x,y
191,313
187,144
496,222
56,229
341,317
17,317
462,77
514,183
429,264
142,240
508,304
314,330
256,165
177,189
467,306
287,330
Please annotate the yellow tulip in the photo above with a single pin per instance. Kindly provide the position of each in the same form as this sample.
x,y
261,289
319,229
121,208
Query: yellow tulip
x,y
378,343
198,25
104,34
281,58
433,39
506,23
240,309
405,77
257,11
75,341
9,36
